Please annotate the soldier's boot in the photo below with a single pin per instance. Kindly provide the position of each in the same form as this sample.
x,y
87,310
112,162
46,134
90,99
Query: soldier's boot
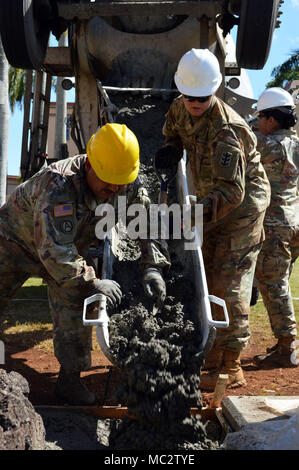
x,y
231,365
284,355
70,388
213,358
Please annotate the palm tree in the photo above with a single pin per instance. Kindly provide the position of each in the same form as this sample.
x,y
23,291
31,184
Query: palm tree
x,y
4,123
16,86
286,72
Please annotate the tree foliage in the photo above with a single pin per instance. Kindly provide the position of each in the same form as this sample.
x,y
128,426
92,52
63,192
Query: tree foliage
x,y
286,72
17,86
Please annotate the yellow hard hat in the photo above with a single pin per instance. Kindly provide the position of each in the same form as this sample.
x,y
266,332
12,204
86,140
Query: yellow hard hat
x,y
113,152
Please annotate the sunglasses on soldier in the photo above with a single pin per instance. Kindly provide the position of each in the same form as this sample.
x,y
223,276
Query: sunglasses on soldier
x,y
200,99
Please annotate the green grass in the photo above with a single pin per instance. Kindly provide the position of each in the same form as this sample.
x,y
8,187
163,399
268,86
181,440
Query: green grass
x,y
33,288
28,323
295,282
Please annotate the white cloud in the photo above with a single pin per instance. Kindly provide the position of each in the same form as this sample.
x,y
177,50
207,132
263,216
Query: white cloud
x,y
295,3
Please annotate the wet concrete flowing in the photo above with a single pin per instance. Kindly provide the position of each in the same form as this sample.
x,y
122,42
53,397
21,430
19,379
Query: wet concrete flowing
x,y
158,354
160,362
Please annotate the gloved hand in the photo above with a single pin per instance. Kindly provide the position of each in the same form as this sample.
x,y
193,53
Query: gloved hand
x,y
154,285
167,156
111,289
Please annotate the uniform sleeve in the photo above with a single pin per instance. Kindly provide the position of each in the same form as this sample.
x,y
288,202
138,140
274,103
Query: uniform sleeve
x,y
228,173
55,228
154,252
170,132
262,144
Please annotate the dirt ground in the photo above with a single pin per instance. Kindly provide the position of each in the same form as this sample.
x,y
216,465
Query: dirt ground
x,y
41,370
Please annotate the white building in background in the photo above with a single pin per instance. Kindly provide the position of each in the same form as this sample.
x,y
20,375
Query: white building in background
x,y
14,181
11,183
293,88
71,147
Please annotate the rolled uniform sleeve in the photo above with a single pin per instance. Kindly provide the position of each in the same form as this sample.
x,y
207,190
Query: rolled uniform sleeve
x,y
55,228
154,252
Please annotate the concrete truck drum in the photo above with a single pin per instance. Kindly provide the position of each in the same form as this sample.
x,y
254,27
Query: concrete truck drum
x,y
134,45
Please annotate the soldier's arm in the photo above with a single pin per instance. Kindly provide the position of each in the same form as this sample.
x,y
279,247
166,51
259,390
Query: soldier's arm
x,y
228,173
55,228
262,146
272,155
170,133
154,252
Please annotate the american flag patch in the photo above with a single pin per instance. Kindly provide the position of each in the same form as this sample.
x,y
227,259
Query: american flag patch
x,y
63,209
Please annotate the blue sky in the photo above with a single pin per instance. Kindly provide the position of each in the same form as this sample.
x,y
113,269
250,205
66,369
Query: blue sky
x,y
285,41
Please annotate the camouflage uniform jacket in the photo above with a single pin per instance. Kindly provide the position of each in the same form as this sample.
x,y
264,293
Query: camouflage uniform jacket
x,y
52,217
228,176
280,157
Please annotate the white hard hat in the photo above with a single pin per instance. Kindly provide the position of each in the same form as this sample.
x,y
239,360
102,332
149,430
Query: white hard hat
x,y
274,98
198,73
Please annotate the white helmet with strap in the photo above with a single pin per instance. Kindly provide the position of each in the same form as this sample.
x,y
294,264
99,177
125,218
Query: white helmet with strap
x,y
198,73
274,97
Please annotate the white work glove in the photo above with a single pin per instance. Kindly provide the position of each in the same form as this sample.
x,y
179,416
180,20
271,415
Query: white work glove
x,y
111,289
154,285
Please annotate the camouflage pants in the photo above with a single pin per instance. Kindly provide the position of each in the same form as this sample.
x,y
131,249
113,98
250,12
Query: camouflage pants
x,y
229,276
279,252
72,340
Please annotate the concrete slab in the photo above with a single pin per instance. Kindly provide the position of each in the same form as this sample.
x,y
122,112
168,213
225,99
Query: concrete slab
x,y
242,410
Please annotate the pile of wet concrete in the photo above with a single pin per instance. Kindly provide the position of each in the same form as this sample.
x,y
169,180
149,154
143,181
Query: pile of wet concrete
x,y
160,362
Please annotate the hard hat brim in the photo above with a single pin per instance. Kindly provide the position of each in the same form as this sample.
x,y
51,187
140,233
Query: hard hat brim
x,y
206,91
114,178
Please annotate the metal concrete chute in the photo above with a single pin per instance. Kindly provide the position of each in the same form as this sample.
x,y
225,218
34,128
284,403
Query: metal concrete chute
x,y
203,310
102,321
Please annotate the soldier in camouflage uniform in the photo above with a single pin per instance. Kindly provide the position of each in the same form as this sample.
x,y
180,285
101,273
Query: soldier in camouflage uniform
x,y
232,186
279,148
46,228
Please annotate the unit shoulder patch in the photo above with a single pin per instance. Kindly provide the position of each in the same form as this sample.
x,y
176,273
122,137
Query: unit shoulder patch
x,y
64,222
225,159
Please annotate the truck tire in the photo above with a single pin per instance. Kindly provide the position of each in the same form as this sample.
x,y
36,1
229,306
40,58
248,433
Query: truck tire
x,y
25,32
256,26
